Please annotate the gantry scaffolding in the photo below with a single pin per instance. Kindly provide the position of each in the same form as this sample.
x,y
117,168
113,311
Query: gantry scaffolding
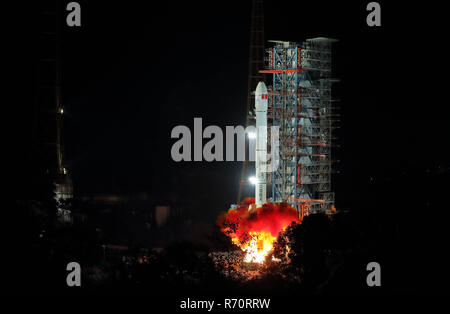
x,y
301,106
255,63
48,111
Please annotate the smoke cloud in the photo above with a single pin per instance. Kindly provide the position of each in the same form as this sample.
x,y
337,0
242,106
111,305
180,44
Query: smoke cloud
x,y
270,218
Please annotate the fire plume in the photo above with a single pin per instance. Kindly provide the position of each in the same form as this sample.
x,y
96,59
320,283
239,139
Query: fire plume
x,y
255,230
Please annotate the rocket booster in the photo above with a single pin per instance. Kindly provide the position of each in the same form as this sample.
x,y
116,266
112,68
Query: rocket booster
x,y
261,98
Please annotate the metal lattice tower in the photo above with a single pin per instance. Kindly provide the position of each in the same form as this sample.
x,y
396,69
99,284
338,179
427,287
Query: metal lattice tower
x,y
48,109
48,113
255,63
301,106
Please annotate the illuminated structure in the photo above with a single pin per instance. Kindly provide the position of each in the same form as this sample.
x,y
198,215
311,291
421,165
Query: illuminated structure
x,y
300,104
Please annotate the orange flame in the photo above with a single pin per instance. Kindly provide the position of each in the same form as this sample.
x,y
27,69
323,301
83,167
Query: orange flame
x,y
256,230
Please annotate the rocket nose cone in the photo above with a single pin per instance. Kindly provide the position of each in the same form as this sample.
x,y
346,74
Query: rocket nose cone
x,y
261,88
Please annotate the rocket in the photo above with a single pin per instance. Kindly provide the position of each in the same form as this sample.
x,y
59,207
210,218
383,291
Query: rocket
x,y
261,98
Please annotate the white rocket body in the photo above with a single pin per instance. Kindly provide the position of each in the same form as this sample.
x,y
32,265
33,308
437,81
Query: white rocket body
x,y
261,98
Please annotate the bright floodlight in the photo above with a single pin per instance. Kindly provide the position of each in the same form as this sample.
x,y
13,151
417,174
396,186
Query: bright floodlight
x,y
252,135
252,180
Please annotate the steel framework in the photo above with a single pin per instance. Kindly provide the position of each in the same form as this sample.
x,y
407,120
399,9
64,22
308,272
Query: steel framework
x,y
255,63
48,112
300,104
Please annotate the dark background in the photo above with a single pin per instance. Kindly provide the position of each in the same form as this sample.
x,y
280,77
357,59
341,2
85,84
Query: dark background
x,y
134,70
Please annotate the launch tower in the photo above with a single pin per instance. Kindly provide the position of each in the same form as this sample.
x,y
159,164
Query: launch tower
x,y
255,63
49,110
300,104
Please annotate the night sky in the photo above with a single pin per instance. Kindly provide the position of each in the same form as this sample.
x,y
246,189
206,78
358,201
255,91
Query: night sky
x,y
133,71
